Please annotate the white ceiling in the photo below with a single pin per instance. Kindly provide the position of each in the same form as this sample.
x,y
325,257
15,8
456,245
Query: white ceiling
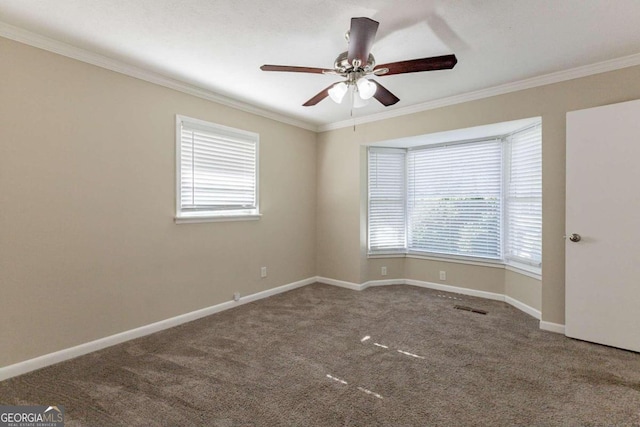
x,y
219,45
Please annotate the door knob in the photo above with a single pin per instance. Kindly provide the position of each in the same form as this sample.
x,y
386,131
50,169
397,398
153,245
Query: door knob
x,y
575,237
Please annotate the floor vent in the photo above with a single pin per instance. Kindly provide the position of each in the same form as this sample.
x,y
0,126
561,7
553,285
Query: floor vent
x,y
473,310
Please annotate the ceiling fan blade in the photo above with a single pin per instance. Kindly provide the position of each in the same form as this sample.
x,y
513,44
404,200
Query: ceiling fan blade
x,y
361,37
445,62
383,95
319,97
296,69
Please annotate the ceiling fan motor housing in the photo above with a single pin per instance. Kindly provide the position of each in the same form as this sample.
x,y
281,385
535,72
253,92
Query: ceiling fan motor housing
x,y
342,64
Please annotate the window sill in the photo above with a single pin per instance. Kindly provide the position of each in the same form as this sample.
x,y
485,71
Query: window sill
x,y
387,255
433,257
216,218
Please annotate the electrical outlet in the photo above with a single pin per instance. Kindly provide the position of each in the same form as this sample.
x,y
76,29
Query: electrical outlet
x,y
383,271
236,296
263,272
443,275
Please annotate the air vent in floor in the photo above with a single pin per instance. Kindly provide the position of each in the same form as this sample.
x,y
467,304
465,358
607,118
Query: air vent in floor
x,y
473,310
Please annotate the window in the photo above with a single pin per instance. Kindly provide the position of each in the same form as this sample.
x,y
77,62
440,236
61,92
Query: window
x,y
217,172
454,199
387,203
478,200
524,197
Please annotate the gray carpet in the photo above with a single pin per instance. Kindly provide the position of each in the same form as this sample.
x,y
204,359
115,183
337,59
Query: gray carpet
x,y
299,359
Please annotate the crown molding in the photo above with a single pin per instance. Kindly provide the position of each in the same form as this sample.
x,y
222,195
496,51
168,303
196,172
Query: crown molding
x,y
42,42
546,79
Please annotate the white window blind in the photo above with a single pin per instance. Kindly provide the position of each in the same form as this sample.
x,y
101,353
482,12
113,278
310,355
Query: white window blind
x,y
454,199
217,170
524,197
387,202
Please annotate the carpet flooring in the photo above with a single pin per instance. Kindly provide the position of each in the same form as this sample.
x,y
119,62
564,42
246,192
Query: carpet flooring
x,y
327,356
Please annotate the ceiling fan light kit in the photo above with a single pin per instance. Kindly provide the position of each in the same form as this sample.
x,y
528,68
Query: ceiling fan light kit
x,y
357,63
357,101
338,91
363,89
366,88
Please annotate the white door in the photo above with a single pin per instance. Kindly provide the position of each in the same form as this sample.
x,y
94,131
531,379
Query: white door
x,y
603,208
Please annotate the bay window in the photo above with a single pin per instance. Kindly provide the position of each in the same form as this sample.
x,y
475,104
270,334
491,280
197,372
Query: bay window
x,y
477,200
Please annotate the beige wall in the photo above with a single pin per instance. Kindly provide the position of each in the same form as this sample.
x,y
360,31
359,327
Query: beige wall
x,y
395,269
523,288
340,187
339,241
481,278
88,244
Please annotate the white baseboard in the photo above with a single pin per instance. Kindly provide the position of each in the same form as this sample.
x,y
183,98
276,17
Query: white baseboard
x,y
340,283
419,283
386,282
437,286
455,289
273,291
523,307
552,327
82,349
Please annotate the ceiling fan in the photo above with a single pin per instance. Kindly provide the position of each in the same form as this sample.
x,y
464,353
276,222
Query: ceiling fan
x,y
357,63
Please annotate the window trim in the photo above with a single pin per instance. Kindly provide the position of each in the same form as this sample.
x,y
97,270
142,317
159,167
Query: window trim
x,y
182,217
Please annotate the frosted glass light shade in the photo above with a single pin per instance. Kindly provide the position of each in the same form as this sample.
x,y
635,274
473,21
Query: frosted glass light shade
x,y
366,88
356,99
337,92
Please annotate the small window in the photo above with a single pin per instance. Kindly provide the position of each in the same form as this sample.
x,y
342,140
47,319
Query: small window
x,y
217,172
